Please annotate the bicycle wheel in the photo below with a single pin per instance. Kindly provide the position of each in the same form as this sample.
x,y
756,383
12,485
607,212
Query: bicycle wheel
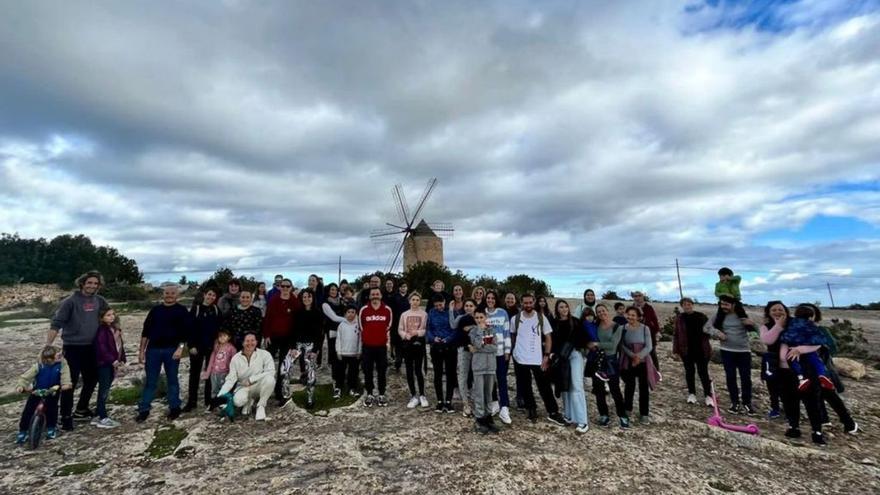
x,y
35,434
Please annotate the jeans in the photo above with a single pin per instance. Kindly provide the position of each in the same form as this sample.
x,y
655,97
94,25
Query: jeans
x,y
156,360
197,364
501,366
738,362
814,366
50,408
375,358
524,375
443,359
105,379
630,375
278,346
80,361
413,354
697,365
574,401
602,395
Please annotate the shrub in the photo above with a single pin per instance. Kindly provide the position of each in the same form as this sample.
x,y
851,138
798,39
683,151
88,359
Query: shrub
x,y
125,292
611,295
850,339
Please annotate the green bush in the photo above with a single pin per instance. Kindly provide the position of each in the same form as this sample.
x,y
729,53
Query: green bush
x,y
124,292
850,339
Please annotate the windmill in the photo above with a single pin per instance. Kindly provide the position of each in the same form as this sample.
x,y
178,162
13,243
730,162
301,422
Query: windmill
x,y
421,241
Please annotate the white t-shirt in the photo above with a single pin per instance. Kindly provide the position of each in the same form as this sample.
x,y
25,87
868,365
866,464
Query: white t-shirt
x,y
529,348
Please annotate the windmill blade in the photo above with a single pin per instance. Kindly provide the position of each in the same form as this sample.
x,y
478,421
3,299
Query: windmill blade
x,y
441,227
397,255
400,204
429,188
386,232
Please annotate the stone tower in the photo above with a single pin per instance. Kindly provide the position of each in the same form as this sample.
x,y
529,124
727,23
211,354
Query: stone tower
x,y
422,245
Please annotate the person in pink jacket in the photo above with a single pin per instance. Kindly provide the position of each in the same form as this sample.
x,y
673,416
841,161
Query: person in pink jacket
x,y
412,336
218,364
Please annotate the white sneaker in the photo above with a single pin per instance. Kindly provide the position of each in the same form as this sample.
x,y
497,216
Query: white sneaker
x,y
494,407
692,399
582,428
261,414
107,423
504,415
246,409
412,402
709,401
423,401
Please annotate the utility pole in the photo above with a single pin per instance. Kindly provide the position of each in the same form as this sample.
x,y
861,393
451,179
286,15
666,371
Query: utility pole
x,y
678,273
339,273
829,294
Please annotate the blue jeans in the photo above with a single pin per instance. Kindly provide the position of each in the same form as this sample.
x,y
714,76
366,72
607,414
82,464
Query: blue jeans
x,y
738,362
574,401
814,367
105,379
501,365
156,360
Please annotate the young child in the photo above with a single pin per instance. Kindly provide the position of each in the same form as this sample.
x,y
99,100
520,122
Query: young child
x,y
728,285
620,316
482,347
110,355
218,364
348,349
802,331
597,362
50,371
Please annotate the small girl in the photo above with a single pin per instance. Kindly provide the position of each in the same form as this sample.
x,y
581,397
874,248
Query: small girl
x,y
110,355
803,331
218,365
482,348
50,371
597,361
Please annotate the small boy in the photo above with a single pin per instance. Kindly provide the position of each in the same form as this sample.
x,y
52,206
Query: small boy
x,y
50,371
802,331
482,347
218,364
728,285
620,316
348,349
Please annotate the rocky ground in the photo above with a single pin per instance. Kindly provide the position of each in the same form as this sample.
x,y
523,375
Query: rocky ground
x,y
357,450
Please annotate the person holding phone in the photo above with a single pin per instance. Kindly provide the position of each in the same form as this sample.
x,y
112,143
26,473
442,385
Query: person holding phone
x,y
482,348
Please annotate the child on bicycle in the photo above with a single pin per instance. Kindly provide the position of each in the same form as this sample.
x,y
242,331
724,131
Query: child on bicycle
x,y
110,355
50,371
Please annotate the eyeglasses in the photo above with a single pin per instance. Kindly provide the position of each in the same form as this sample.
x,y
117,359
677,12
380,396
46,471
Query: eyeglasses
x,y
286,286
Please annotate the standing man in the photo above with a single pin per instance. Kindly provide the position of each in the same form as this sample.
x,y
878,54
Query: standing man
x,y
530,326
77,320
650,320
278,328
163,341
230,300
375,320
276,288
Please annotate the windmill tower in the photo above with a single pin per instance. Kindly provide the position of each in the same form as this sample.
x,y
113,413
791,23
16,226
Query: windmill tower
x,y
421,242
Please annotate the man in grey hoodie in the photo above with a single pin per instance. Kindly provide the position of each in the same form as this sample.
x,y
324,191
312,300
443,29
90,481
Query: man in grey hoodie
x,y
77,320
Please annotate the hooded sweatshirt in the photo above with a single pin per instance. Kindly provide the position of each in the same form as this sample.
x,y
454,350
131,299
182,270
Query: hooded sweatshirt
x,y
348,333
77,318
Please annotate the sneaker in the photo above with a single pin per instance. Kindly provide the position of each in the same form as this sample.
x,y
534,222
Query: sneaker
x,y
826,383
423,401
67,424
582,428
793,433
804,385
246,409
734,409
369,400
51,434
107,423
854,429
520,404
480,427
533,415
624,422
353,393
601,375
604,420
412,402
188,408
749,409
491,425
95,421
448,408
174,413
773,414
142,416
466,410
567,420
692,399
83,414
261,414
310,403
337,394
659,376
819,439
382,401
21,437
709,401
504,415
440,408
645,420
556,419
494,407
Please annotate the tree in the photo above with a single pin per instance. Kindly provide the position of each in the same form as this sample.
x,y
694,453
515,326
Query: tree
x,y
522,283
611,295
219,281
421,275
183,280
487,282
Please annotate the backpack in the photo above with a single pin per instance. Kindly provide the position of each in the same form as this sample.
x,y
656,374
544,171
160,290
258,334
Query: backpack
x,y
516,322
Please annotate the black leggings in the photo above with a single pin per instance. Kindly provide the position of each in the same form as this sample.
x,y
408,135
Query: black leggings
x,y
792,398
444,360
347,373
197,364
81,360
413,354
602,395
630,376
697,365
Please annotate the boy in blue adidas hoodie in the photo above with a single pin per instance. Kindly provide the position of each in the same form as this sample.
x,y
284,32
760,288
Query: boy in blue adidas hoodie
x,y
50,371
440,335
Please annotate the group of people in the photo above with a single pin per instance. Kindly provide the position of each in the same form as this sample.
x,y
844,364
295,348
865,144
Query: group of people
x,y
244,348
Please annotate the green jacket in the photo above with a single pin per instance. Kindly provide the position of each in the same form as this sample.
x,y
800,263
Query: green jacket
x,y
729,287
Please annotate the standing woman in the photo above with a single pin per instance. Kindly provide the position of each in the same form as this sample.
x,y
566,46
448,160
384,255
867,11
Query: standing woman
x,y
588,302
499,321
316,284
690,343
479,296
307,336
261,298
441,336
456,305
542,307
609,333
411,329
511,305
570,342
462,338
636,363
832,397
244,318
206,323
333,304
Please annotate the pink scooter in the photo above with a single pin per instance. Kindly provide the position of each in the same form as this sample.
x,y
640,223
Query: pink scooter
x,y
717,421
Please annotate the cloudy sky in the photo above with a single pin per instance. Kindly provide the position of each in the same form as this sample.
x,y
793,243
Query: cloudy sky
x,y
586,143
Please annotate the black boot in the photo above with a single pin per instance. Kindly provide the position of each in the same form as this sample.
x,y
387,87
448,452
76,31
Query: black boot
x,y
480,426
490,423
